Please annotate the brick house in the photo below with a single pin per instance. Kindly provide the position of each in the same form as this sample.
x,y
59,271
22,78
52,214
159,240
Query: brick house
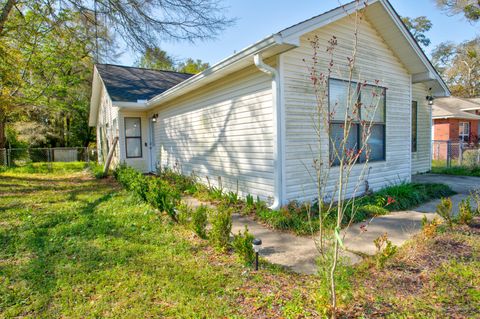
x,y
455,121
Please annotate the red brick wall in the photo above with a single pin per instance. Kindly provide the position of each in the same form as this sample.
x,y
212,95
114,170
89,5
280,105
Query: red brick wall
x,y
441,130
448,130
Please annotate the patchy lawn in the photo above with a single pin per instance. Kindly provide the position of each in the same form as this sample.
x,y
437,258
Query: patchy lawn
x,y
435,277
75,247
72,246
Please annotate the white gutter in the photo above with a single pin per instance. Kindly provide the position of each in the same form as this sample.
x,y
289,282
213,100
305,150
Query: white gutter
x,y
276,104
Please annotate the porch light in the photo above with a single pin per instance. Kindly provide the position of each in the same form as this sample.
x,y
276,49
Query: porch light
x,y
257,246
430,97
154,118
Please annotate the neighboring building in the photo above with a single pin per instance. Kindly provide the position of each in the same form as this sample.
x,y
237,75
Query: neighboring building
x,y
455,124
247,119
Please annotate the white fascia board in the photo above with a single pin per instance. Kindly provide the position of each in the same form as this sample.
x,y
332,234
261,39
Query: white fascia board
x,y
95,98
222,67
470,108
134,106
293,33
388,7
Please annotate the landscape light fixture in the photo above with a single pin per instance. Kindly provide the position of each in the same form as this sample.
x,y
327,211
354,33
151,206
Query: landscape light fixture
x,y
257,245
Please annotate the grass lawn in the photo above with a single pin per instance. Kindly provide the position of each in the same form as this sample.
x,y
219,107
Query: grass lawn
x,y
75,247
440,167
72,246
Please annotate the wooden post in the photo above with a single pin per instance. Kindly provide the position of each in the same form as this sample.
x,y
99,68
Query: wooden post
x,y
110,156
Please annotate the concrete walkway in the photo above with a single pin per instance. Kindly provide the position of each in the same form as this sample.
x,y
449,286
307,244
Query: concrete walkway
x,y
299,253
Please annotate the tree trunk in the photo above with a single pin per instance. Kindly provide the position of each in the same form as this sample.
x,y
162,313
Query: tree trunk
x,y
3,121
5,12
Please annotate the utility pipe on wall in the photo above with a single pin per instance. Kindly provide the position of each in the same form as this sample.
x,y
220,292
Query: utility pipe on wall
x,y
277,160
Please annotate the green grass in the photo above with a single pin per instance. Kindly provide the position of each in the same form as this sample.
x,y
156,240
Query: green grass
x,y
44,167
440,167
72,246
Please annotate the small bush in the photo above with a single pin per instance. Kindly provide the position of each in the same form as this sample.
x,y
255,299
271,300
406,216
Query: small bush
x,y
199,221
475,195
385,250
132,180
184,214
96,169
430,229
163,197
183,184
243,246
466,213
444,209
221,220
470,158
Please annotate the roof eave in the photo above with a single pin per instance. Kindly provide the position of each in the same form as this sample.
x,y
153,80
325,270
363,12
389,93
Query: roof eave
x,y
224,67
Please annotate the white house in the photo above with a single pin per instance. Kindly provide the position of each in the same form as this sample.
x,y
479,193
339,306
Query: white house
x,y
247,119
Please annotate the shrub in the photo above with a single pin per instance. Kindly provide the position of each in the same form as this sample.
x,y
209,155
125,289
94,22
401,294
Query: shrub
x,y
199,221
444,209
385,250
132,180
184,184
475,195
465,214
96,169
470,158
163,197
184,213
243,246
221,220
429,229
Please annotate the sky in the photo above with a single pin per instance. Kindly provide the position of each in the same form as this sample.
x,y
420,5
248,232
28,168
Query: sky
x,y
257,19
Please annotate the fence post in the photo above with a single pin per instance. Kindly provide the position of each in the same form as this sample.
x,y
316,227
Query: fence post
x,y
449,151
9,157
460,153
5,157
478,156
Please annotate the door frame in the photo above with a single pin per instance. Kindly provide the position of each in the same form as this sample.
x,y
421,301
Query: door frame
x,y
151,144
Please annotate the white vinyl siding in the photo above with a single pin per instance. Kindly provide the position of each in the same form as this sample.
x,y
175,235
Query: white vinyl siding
x,y
223,130
421,159
107,126
375,61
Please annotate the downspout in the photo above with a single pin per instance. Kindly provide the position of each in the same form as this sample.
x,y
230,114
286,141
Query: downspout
x,y
277,160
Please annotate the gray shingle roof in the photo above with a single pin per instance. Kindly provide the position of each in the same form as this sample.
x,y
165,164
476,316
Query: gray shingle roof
x,y
451,107
130,84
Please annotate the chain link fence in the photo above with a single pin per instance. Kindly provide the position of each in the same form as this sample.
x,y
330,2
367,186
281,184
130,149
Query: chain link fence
x,y
455,153
17,157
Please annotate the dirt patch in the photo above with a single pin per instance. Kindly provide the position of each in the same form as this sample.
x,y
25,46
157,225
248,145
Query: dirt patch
x,y
409,276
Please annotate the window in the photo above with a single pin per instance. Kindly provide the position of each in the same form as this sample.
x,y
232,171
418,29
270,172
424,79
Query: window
x,y
133,137
372,102
414,125
464,131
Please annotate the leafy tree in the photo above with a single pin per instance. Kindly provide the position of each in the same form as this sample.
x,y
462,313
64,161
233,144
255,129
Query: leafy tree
x,y
469,8
418,27
192,66
157,59
141,23
460,66
46,87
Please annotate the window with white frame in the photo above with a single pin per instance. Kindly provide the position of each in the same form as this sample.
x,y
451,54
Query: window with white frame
x,y
368,120
464,131
133,137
